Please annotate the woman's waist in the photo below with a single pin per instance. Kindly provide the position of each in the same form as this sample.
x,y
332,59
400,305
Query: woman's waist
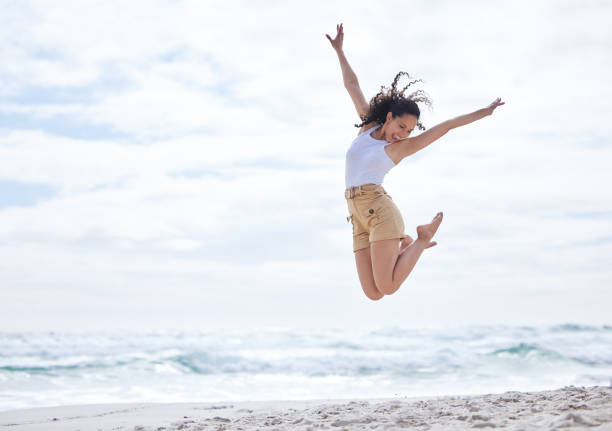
x,y
364,189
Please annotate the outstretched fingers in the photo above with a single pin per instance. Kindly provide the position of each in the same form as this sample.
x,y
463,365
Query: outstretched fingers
x,y
337,41
497,102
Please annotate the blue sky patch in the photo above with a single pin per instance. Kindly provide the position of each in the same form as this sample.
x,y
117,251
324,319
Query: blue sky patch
x,y
14,193
60,126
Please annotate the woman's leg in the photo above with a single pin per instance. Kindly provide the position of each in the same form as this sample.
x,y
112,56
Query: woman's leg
x,y
366,277
390,266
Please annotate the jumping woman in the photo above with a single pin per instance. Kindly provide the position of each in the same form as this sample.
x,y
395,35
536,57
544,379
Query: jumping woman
x,y
383,253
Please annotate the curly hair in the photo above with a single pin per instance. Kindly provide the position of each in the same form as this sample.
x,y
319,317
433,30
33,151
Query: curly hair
x,y
392,100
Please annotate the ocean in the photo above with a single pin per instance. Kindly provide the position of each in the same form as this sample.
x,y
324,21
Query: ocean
x,y
58,368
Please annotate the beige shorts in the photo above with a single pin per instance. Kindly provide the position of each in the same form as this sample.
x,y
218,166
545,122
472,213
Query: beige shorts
x,y
373,214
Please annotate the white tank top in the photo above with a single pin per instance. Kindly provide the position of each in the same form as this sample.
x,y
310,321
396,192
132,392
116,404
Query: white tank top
x,y
366,160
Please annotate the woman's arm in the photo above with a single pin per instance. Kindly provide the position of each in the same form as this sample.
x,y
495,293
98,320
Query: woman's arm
x,y
348,76
412,145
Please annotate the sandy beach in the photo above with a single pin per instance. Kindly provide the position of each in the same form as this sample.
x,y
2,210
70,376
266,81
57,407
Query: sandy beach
x,y
567,408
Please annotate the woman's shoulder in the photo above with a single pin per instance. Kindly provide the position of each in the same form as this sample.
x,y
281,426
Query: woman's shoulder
x,y
367,127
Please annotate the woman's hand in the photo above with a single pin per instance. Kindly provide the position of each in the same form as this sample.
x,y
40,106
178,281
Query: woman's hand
x,y
337,41
497,102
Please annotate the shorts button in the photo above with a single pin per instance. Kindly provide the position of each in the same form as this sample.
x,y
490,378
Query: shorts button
x,y
371,211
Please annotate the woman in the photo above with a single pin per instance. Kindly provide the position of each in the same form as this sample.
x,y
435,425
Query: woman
x,y
383,253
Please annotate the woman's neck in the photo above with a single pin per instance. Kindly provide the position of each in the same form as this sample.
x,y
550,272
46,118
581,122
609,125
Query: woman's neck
x,y
379,134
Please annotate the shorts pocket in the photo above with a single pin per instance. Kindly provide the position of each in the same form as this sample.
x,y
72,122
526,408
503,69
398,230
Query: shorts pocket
x,y
374,209
388,218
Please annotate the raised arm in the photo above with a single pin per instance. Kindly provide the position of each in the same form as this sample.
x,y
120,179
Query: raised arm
x,y
350,79
412,145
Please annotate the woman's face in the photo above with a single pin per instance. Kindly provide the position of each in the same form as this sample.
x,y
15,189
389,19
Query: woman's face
x,y
400,127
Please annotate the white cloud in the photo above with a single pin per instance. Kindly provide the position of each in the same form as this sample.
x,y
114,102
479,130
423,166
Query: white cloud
x,y
234,123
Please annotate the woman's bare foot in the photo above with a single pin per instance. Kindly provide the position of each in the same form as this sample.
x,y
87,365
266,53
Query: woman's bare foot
x,y
404,243
427,231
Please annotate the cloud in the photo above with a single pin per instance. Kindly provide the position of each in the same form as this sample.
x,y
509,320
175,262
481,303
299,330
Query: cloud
x,y
201,146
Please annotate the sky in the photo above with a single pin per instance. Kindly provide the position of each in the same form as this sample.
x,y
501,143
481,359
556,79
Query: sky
x,y
180,164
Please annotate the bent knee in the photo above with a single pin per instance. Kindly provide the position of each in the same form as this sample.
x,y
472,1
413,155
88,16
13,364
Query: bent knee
x,y
386,288
375,296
